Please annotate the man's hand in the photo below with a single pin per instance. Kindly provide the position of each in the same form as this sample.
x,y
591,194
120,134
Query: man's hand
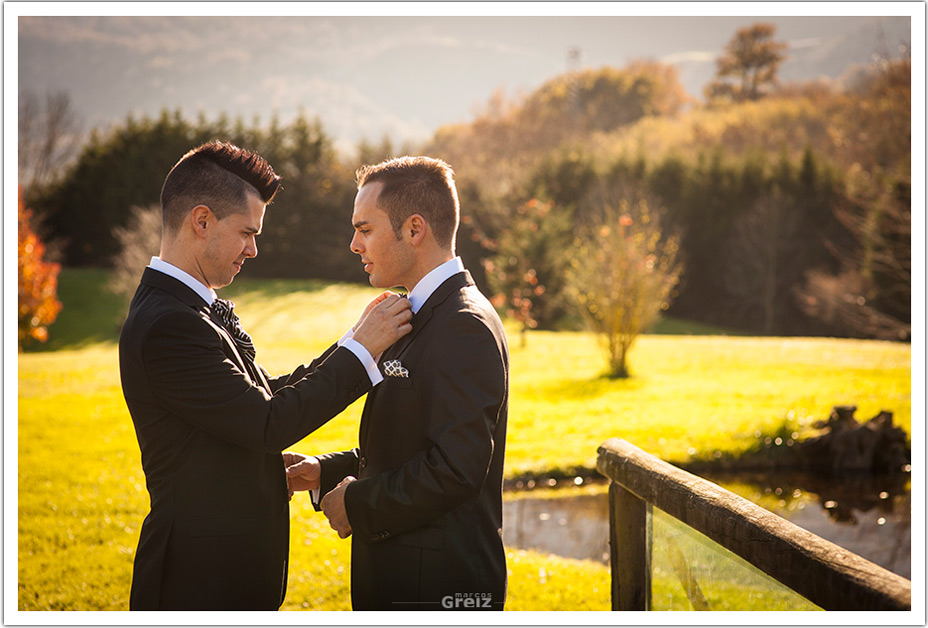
x,y
333,506
386,321
370,306
303,472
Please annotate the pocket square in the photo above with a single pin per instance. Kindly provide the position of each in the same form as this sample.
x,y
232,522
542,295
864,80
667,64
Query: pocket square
x,y
394,368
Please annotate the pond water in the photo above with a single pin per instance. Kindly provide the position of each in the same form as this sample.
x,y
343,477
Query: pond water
x,y
868,516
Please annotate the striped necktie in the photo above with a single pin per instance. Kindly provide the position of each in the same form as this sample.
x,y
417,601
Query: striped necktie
x,y
224,309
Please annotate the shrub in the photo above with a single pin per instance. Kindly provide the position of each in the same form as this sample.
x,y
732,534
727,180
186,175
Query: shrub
x,y
38,284
525,274
622,272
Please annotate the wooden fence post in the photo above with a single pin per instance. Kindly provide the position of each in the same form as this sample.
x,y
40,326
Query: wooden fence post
x,y
629,550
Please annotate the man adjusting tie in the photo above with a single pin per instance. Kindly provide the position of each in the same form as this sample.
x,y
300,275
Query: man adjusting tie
x,y
211,422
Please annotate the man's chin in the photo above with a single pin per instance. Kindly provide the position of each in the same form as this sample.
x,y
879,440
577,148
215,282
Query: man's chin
x,y
225,282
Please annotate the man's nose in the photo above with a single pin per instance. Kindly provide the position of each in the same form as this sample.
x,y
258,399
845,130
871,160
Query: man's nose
x,y
354,245
251,249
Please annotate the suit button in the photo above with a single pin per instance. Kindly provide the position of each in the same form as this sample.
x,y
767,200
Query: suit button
x,y
363,462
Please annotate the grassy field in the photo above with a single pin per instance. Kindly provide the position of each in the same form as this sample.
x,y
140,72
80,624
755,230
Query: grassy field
x,y
81,490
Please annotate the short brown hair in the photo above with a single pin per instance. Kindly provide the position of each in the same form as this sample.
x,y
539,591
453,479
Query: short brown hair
x,y
417,185
218,175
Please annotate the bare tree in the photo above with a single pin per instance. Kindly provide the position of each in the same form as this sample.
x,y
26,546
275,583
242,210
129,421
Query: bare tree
x,y
871,296
839,300
49,135
138,241
765,253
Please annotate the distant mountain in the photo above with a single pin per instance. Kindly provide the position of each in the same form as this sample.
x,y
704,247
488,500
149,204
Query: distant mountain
x,y
404,77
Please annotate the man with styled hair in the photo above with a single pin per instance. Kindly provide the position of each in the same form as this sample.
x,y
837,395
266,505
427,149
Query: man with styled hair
x,y
421,495
211,422
217,172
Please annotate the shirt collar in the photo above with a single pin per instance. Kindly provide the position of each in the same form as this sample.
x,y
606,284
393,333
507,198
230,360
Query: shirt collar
x,y
428,284
169,269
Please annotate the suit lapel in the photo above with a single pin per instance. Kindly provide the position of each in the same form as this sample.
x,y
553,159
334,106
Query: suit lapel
x,y
419,321
176,288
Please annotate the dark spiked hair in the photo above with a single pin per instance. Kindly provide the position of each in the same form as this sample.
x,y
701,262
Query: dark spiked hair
x,y
219,175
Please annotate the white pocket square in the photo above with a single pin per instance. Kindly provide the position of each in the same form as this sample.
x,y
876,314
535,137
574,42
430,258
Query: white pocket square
x,y
394,368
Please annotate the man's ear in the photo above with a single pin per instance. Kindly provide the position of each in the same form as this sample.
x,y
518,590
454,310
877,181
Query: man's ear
x,y
200,217
416,227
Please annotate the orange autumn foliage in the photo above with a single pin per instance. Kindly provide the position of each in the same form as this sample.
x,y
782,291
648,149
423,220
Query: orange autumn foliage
x,y
38,284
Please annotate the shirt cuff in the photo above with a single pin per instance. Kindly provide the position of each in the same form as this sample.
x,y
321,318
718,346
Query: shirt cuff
x,y
365,357
348,336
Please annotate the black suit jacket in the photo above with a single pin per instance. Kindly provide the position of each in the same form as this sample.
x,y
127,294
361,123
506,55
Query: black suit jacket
x,y
217,535
426,511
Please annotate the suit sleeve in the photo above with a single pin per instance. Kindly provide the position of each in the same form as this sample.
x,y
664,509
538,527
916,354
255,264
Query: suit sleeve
x,y
190,374
462,402
335,468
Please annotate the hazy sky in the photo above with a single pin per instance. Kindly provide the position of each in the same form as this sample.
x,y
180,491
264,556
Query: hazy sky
x,y
399,75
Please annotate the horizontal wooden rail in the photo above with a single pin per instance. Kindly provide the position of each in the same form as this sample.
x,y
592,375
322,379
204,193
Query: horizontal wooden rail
x,y
822,572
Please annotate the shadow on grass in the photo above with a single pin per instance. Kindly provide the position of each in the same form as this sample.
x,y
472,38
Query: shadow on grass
x,y
669,326
90,312
587,389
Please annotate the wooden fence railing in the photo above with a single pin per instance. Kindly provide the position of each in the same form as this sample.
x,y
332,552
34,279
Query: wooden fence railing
x,y
825,574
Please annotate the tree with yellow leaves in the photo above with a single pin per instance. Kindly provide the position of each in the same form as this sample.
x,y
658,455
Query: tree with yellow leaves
x,y
622,271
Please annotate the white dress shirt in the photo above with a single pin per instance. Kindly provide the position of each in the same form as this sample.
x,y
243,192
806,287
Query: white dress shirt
x,y
209,295
169,269
428,284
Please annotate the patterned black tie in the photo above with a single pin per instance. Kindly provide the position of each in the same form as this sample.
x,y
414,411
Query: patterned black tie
x,y
224,309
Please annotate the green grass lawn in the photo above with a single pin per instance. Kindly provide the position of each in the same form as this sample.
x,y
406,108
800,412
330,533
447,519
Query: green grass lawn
x,y
81,490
